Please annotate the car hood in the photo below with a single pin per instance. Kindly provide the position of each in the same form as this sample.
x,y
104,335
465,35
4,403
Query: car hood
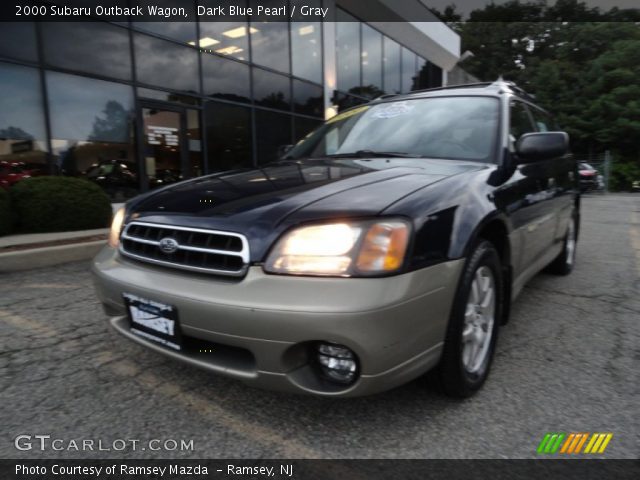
x,y
262,202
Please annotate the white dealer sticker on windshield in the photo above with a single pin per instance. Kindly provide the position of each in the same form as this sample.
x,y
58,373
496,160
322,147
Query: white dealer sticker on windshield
x,y
393,110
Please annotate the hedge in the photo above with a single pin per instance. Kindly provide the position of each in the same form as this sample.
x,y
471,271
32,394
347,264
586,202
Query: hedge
x,y
59,204
5,213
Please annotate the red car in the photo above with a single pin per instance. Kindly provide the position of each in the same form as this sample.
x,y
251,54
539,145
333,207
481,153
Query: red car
x,y
588,177
12,172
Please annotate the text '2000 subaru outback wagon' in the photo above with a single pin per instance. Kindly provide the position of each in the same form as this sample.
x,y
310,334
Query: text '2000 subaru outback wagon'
x,y
388,242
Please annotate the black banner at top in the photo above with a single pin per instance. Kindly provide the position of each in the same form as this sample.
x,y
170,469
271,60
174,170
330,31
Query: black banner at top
x,y
317,10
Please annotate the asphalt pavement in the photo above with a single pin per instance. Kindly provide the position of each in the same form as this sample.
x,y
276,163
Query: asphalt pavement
x,y
567,362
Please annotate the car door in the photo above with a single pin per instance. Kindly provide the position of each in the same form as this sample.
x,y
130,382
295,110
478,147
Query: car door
x,y
535,221
561,178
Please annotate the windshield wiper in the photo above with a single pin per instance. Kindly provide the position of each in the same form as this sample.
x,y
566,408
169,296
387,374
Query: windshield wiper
x,y
372,153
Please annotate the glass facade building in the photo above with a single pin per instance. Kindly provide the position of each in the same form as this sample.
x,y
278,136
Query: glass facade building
x,y
134,106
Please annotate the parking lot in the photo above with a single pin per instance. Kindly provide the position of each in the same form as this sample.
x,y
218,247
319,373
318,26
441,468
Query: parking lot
x,y
567,362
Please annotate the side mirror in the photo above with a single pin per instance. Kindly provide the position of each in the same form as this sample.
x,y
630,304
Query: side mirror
x,y
283,150
534,147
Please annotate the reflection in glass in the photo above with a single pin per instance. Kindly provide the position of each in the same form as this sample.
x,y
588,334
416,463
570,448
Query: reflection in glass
x,y
228,136
181,31
194,144
307,99
306,46
22,128
225,38
429,75
371,58
391,66
408,70
165,64
271,90
91,124
94,47
347,51
460,128
184,32
18,40
303,127
270,45
162,146
273,130
153,94
224,78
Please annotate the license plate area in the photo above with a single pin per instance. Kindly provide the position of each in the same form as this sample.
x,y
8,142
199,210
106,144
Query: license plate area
x,y
154,321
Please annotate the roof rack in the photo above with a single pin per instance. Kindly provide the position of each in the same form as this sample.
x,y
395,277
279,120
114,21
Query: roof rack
x,y
500,83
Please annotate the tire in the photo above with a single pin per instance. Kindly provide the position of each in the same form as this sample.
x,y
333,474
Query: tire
x,y
564,262
460,372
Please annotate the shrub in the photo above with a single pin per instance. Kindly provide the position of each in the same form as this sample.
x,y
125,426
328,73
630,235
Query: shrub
x,y
623,174
59,204
5,213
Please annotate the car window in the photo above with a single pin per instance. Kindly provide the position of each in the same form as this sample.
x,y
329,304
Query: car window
x,y
520,121
543,120
464,128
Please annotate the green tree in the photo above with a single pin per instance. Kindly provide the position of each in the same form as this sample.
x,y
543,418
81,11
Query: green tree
x,y
581,63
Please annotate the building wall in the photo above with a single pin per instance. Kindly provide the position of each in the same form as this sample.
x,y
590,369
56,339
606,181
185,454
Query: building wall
x,y
85,99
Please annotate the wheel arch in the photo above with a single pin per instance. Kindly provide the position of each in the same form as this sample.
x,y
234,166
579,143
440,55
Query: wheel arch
x,y
496,229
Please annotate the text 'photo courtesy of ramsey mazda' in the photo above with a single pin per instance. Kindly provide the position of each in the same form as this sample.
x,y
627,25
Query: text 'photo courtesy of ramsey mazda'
x,y
388,243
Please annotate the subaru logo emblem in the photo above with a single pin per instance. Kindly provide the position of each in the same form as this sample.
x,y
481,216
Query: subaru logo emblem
x,y
168,245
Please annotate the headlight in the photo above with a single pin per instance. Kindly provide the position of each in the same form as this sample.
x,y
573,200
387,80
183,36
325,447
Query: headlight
x,y
116,227
341,249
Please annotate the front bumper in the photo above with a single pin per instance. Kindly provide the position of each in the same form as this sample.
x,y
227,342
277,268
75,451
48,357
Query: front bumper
x,y
260,328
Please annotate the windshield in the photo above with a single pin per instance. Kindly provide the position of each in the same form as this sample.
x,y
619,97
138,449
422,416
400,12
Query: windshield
x,y
461,128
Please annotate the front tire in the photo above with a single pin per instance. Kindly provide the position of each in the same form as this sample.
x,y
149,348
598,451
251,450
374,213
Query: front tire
x,y
473,327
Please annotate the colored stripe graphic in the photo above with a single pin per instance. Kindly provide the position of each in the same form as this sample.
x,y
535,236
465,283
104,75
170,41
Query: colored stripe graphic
x,y
598,442
551,442
573,443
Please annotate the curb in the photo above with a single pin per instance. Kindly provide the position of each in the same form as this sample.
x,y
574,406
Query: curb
x,y
48,256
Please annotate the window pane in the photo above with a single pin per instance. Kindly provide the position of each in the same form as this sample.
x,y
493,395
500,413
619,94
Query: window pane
x,y
95,47
182,31
347,51
371,61
347,101
228,136
304,126
391,64
429,75
91,123
167,96
271,90
273,130
226,38
308,99
165,64
224,78
25,47
22,129
270,44
306,46
408,70
195,143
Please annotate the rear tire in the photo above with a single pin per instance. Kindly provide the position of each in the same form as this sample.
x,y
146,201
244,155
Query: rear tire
x,y
564,262
473,326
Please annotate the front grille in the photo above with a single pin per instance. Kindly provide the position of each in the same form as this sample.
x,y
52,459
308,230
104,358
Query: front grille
x,y
207,251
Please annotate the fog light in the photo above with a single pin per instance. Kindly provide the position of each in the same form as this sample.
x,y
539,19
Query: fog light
x,y
337,363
